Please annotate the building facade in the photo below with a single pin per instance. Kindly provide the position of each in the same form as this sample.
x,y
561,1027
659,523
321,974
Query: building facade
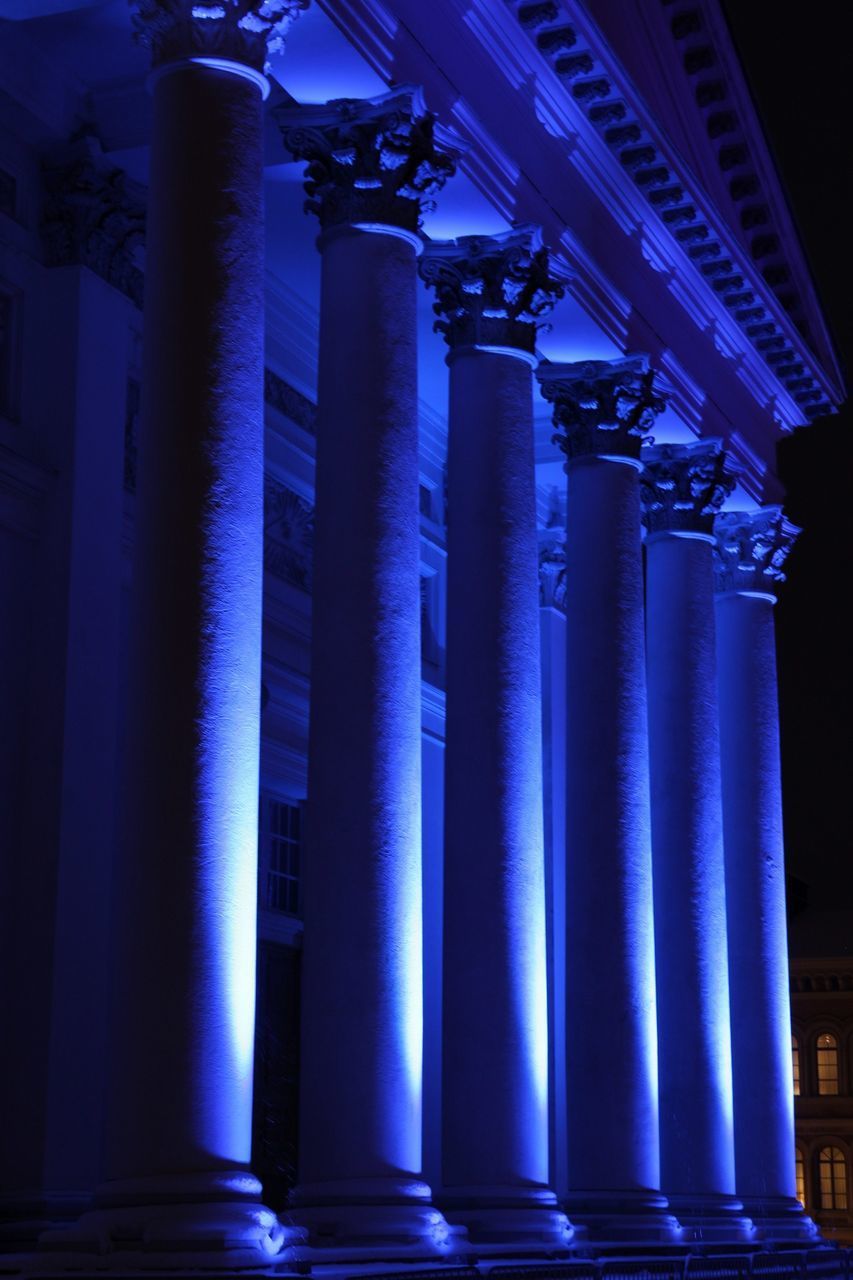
x,y
821,1028
421,369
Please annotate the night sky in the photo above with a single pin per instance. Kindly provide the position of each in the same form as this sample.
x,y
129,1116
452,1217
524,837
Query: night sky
x,y
799,75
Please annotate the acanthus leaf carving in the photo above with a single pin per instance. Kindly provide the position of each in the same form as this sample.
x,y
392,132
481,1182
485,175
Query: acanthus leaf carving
x,y
491,290
683,486
371,161
245,31
94,216
750,549
601,407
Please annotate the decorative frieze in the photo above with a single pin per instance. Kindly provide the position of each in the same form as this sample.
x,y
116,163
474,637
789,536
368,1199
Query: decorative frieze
x,y
94,216
751,548
288,535
491,290
371,161
683,486
285,399
601,407
243,31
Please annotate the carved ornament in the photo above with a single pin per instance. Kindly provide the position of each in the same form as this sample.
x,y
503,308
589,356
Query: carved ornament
x,y
94,216
245,31
751,548
602,408
683,486
371,161
491,290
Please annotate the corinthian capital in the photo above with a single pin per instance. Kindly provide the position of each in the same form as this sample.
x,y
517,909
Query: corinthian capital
x,y
243,31
491,290
94,216
371,161
602,408
750,549
683,486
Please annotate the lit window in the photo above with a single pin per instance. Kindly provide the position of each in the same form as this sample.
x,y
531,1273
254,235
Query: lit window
x,y
280,855
795,1054
801,1177
833,1178
827,1064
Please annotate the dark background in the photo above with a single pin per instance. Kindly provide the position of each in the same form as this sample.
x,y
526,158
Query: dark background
x,y
798,70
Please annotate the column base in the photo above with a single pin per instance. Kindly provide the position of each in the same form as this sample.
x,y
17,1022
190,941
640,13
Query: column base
x,y
371,1218
782,1220
713,1219
23,1219
174,1223
517,1219
620,1218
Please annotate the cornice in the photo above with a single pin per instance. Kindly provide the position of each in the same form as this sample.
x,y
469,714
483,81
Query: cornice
x,y
685,235
581,107
726,120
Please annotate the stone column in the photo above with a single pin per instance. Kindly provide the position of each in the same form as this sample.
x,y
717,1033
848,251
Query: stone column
x,y
490,291
751,547
370,164
178,1135
682,486
601,410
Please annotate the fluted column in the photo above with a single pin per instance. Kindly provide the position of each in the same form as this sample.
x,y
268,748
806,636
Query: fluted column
x,y
682,486
178,1136
750,549
602,410
370,163
489,291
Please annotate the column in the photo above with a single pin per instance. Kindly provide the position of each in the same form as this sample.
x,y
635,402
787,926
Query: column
x,y
178,1135
601,411
489,293
369,166
751,547
682,486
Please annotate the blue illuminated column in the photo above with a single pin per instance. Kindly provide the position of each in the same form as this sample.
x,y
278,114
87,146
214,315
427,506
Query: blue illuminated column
x,y
750,550
490,291
178,1136
602,410
682,486
369,165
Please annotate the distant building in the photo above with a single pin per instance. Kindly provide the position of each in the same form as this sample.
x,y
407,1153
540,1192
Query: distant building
x,y
822,1045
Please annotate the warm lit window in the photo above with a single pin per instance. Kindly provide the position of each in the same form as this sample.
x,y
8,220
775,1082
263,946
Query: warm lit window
x,y
801,1177
833,1178
827,1064
795,1054
280,850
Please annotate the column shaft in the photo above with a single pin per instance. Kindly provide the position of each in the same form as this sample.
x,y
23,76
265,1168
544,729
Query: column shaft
x,y
750,549
362,992
183,1015
755,875
697,1144
610,996
495,1080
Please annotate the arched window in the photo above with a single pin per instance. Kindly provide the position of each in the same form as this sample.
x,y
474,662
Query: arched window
x,y
801,1177
795,1054
832,1168
827,1064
